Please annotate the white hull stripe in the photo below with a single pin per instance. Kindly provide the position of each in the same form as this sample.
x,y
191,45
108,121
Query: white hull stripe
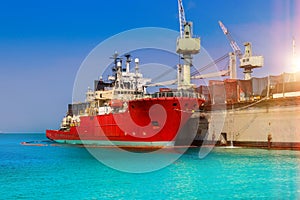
x,y
118,143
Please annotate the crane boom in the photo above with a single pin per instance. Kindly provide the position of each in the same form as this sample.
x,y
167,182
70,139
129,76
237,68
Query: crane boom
x,y
211,75
182,20
232,42
201,76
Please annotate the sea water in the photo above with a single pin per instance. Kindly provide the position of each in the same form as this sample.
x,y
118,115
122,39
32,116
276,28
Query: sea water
x,y
69,172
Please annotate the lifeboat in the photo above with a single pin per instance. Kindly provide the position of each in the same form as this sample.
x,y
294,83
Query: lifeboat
x,y
116,103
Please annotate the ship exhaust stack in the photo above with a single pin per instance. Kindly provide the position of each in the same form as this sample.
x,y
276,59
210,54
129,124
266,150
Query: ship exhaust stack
x,y
128,61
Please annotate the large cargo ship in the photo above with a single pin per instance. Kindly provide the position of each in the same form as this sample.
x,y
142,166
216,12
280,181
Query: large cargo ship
x,y
253,112
259,112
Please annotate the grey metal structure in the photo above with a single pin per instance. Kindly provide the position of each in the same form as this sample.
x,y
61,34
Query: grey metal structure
x,y
187,45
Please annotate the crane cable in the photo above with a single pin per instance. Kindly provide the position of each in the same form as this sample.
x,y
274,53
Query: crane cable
x,y
210,65
197,70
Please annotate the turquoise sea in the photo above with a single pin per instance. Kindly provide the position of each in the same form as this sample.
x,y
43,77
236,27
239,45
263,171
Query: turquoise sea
x,y
68,172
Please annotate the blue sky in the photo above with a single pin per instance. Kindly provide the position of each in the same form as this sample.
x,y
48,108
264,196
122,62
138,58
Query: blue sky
x,y
42,44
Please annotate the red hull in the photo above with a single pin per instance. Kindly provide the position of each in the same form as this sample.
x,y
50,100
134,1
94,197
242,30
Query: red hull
x,y
146,122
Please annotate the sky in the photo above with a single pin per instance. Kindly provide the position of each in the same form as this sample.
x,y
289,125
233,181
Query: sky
x,y
43,44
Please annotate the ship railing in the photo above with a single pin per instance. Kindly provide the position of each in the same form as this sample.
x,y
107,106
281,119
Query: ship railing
x,y
175,94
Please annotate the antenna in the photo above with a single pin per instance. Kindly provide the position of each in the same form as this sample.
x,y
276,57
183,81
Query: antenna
x,y
294,48
295,61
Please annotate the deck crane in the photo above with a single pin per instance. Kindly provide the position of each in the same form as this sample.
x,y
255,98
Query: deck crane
x,y
247,61
187,45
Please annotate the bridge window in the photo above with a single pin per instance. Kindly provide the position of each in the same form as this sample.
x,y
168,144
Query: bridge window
x,y
155,123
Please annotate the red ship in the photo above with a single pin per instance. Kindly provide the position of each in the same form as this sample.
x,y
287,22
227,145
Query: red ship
x,y
121,113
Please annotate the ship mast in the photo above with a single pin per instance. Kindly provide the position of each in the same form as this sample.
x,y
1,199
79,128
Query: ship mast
x,y
294,55
294,47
